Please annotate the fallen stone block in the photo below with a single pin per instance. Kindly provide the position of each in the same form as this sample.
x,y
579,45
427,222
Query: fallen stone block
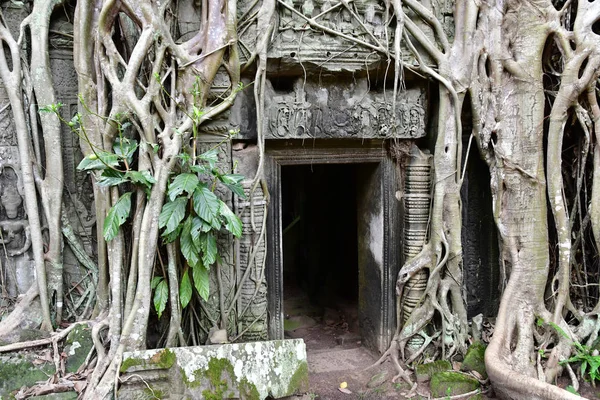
x,y
474,360
451,383
22,369
77,346
424,372
253,370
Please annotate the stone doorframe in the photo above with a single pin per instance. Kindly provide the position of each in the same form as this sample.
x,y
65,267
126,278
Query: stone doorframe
x,y
380,260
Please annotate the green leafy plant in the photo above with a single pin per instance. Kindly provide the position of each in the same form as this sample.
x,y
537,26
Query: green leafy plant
x,y
587,358
193,215
571,389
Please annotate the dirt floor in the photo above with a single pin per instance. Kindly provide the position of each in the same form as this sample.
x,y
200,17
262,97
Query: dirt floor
x,y
336,353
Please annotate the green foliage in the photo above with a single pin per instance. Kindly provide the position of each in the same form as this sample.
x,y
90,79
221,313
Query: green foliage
x,y
571,389
183,183
172,214
201,280
588,360
116,216
194,215
185,290
161,295
206,204
589,363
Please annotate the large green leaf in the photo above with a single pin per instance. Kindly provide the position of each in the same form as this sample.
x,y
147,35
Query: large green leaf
x,y
116,216
155,281
202,281
171,215
99,160
182,183
198,226
185,290
186,242
232,223
211,156
231,178
200,169
143,178
206,204
125,148
236,189
161,295
111,177
209,248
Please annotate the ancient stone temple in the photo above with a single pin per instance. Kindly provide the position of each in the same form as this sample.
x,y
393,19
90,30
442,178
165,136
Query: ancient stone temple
x,y
343,192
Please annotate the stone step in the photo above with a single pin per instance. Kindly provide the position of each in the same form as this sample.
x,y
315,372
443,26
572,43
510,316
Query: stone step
x,y
328,360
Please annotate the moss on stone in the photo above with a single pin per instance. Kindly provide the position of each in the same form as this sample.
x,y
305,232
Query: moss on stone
x,y
474,360
56,396
290,325
131,362
78,345
424,372
299,381
248,391
214,374
451,383
163,359
18,370
155,393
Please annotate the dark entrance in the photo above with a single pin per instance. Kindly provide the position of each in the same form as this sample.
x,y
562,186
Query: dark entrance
x,y
320,252
342,253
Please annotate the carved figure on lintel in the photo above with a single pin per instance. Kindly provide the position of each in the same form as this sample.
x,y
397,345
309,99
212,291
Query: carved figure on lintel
x,y
283,121
417,124
14,230
383,121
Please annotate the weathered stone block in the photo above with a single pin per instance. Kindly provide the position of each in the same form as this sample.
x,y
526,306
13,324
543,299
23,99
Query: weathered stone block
x,y
450,383
424,372
18,370
56,396
246,371
78,345
474,360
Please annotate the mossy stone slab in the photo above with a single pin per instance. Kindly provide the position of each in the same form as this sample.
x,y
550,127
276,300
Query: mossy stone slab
x,y
77,346
474,360
424,372
18,370
56,396
451,383
252,371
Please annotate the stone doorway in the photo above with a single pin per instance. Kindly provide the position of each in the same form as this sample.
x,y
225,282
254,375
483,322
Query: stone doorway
x,y
340,257
320,252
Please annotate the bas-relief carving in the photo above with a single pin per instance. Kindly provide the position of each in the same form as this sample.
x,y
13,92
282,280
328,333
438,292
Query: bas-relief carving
x,y
16,273
295,43
15,239
252,304
343,110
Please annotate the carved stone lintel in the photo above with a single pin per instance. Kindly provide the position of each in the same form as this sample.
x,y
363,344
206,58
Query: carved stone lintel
x,y
343,110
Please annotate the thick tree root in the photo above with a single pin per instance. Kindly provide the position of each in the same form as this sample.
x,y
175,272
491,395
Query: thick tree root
x,y
512,385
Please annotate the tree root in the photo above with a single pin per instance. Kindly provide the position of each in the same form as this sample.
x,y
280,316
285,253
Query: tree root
x,y
16,317
510,384
392,353
55,338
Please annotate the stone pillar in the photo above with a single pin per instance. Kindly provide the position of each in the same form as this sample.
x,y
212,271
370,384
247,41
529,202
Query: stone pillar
x,y
251,251
417,201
